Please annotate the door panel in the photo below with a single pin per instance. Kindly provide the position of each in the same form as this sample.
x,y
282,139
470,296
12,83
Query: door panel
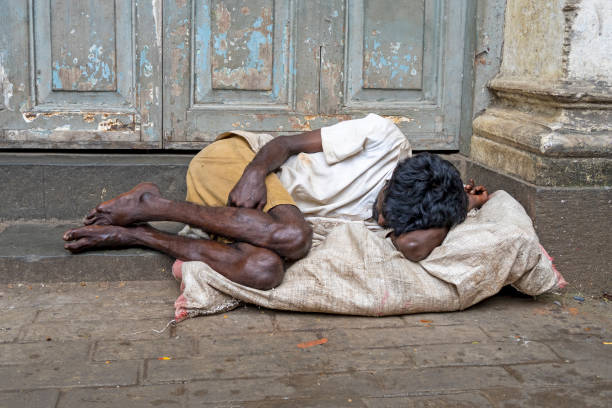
x,y
88,73
404,58
240,49
92,77
254,65
392,43
286,66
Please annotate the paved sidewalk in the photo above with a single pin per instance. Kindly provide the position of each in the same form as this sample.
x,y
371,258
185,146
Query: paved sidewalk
x,y
94,345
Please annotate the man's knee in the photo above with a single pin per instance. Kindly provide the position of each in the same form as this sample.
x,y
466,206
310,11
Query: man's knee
x,y
263,269
296,240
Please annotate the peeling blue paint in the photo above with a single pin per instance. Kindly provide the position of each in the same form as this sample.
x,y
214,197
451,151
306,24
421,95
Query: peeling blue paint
x,y
280,73
57,81
150,131
258,22
146,68
97,67
220,44
203,34
256,40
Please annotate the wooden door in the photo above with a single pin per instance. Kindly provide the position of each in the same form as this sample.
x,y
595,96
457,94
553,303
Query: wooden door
x,y
80,73
285,66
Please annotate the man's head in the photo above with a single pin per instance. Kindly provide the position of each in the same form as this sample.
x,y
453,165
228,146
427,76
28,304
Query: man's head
x,y
425,191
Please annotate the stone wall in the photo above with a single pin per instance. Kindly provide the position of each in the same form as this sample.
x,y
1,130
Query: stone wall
x,y
547,131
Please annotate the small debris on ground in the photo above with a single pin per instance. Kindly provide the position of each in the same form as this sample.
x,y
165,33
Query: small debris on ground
x,y
312,343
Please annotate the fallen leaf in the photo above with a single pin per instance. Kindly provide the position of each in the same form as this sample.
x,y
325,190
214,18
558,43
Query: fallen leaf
x,y
426,321
312,343
164,358
107,362
83,284
573,311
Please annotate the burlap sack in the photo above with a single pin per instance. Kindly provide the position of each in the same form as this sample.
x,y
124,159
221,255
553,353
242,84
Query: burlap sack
x,y
356,271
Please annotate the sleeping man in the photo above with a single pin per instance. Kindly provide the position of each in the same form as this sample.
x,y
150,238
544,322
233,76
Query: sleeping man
x,y
252,193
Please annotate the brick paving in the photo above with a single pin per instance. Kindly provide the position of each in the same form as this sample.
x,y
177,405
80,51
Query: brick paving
x,y
94,345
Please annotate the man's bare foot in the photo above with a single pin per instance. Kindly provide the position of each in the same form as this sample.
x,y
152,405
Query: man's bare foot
x,y
124,209
98,237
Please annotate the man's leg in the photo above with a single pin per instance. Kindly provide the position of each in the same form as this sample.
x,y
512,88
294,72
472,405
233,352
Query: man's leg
x,y
282,230
240,262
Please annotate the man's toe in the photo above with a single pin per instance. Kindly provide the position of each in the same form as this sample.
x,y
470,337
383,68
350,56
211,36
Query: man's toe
x,y
69,235
75,246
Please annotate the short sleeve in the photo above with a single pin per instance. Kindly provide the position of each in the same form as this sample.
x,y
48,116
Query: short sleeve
x,y
345,139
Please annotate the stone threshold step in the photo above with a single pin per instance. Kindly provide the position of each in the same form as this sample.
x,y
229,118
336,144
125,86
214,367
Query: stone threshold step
x,y
32,251
67,186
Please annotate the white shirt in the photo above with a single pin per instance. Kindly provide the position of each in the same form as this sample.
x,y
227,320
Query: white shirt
x,y
343,181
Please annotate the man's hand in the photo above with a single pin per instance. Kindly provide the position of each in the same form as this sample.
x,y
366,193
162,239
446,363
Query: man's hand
x,y
250,191
477,195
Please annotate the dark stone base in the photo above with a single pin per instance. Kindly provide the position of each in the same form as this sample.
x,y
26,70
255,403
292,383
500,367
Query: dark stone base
x,y
573,223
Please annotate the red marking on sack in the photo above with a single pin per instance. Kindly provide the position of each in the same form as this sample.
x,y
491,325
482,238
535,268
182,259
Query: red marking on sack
x,y
312,343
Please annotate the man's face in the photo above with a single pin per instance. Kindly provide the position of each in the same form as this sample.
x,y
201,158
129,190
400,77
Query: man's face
x,y
378,205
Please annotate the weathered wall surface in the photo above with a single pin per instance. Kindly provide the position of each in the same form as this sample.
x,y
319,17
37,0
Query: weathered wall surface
x,y
488,50
533,39
548,130
590,56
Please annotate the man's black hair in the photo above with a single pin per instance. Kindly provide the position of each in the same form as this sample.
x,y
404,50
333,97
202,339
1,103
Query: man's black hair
x,y
425,191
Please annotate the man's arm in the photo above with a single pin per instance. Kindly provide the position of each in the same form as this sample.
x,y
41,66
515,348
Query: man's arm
x,y
417,245
250,191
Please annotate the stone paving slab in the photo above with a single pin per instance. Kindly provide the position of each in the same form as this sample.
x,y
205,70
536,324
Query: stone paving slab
x,y
580,372
75,374
240,321
132,311
100,344
587,349
29,399
587,396
423,334
312,321
478,353
402,382
459,400
132,397
177,347
34,252
47,352
101,294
